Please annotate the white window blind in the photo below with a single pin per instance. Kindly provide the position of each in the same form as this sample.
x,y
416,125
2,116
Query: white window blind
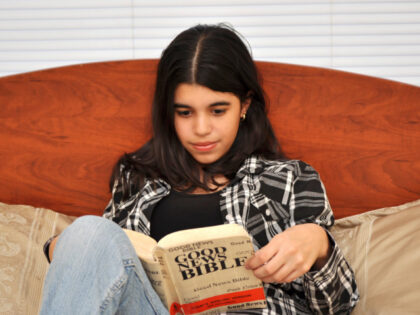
x,y
378,38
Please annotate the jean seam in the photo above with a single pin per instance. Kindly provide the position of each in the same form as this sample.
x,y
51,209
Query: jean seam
x,y
129,266
146,292
116,287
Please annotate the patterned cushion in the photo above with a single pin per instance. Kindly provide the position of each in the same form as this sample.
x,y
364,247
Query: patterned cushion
x,y
23,231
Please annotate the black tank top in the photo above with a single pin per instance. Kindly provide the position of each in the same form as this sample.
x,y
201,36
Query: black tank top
x,y
180,211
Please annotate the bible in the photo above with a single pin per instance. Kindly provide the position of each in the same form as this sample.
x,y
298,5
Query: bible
x,y
201,271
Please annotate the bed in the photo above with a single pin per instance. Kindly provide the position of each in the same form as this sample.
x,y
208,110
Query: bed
x,y
62,130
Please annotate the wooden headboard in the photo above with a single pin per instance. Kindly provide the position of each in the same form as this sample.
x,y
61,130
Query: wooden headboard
x,y
62,130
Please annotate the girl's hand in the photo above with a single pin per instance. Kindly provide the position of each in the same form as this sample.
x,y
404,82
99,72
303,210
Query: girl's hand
x,y
52,247
291,254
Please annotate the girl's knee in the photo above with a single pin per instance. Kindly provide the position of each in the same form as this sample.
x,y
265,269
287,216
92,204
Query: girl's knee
x,y
91,226
89,221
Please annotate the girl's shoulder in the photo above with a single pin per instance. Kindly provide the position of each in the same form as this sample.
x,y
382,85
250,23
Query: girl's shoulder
x,y
258,166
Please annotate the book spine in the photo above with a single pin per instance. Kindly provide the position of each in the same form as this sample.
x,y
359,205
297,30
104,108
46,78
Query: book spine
x,y
171,297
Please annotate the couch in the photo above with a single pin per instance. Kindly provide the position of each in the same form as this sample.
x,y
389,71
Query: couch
x,y
62,130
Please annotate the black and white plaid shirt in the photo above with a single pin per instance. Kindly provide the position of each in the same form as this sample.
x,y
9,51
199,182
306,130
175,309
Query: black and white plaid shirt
x,y
266,197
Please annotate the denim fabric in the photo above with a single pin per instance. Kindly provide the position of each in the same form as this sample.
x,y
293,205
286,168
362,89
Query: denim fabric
x,y
95,270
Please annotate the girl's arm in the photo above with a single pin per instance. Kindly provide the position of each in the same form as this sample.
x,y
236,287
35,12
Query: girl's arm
x,y
304,252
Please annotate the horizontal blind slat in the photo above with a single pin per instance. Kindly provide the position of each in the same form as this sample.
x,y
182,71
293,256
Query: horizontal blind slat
x,y
46,4
88,55
66,34
75,13
367,61
384,71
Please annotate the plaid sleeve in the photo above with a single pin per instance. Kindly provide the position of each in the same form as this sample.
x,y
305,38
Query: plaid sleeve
x,y
118,210
134,212
113,211
308,199
333,289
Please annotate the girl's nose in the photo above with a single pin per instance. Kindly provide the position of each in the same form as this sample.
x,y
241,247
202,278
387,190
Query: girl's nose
x,y
202,126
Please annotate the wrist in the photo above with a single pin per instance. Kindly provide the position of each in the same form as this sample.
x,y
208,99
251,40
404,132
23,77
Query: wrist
x,y
325,250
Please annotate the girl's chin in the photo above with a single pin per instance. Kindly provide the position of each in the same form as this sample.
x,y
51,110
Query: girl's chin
x,y
205,158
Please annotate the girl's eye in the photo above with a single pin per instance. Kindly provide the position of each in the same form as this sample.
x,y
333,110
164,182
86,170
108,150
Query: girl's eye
x,y
219,111
183,113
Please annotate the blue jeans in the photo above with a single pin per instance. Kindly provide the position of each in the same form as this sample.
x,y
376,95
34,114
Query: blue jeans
x,y
95,270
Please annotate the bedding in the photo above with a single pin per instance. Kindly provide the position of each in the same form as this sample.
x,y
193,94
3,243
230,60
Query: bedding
x,y
367,240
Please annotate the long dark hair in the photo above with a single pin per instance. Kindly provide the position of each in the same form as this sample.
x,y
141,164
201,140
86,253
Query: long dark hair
x,y
213,56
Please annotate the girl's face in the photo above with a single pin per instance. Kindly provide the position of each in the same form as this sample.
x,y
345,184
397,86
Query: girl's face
x,y
206,121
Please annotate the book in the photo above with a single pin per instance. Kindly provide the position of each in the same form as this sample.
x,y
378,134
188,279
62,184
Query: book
x,y
201,271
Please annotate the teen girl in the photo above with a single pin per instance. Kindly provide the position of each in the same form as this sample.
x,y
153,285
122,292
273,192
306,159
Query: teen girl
x,y
213,159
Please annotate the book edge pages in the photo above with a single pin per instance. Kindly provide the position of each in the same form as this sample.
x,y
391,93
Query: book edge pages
x,y
202,234
143,245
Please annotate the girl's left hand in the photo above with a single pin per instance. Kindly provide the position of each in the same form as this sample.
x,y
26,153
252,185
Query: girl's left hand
x,y
291,254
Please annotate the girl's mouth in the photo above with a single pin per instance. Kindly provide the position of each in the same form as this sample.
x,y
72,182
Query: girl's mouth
x,y
204,146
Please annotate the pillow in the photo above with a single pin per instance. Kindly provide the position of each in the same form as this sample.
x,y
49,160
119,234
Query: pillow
x,y
24,230
383,247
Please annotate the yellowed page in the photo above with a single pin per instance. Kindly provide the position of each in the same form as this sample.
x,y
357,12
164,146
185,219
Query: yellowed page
x,y
144,246
171,296
153,271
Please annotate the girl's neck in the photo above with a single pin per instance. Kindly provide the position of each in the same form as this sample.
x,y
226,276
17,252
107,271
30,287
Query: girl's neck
x,y
222,182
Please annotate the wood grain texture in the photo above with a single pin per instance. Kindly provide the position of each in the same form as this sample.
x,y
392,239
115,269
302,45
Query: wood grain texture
x,y
361,133
62,130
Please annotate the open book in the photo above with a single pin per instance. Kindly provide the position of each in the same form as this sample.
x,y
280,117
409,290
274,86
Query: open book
x,y
201,271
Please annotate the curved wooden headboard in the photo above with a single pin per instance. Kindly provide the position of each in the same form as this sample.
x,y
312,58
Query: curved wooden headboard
x,y
61,131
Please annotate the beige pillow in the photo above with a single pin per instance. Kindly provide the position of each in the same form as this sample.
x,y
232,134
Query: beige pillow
x,y
23,231
383,247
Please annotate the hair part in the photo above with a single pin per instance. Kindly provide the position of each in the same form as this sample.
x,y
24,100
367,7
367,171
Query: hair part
x,y
195,59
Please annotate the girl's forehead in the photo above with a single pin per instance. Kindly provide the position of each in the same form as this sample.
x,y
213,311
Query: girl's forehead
x,y
199,95
192,86
192,89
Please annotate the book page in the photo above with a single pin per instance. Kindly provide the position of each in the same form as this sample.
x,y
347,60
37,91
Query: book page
x,y
171,297
205,233
209,274
144,246
153,272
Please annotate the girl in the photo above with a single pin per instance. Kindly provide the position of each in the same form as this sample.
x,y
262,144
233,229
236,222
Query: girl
x,y
213,159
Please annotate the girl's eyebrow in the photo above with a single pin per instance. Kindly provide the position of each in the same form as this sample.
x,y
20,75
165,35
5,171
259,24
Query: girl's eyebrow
x,y
221,103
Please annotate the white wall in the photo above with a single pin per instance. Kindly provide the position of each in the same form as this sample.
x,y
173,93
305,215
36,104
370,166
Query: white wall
x,y
379,38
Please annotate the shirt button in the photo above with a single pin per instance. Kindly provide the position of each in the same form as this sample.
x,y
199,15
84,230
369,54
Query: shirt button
x,y
267,212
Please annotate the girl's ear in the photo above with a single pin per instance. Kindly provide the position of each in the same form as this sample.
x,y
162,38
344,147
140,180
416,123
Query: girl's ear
x,y
245,104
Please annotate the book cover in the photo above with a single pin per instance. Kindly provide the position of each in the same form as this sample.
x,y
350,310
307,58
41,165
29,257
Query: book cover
x,y
201,271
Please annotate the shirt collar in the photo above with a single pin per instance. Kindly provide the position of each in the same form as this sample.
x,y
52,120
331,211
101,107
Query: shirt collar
x,y
251,165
